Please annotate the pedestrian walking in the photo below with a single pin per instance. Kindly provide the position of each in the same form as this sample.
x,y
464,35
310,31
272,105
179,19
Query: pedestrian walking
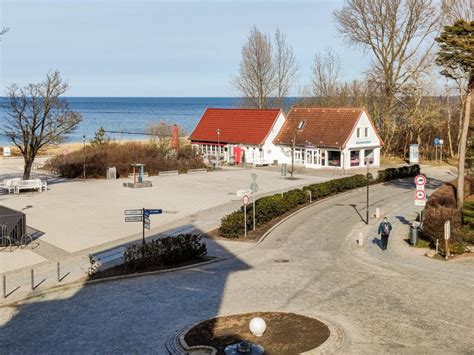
x,y
384,231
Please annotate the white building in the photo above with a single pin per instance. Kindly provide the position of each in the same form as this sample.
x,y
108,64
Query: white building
x,y
329,137
239,135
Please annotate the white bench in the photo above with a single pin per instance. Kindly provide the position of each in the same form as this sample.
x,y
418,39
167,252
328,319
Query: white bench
x,y
35,184
110,257
9,184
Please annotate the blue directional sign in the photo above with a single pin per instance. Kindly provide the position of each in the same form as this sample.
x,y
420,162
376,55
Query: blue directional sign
x,y
158,211
436,141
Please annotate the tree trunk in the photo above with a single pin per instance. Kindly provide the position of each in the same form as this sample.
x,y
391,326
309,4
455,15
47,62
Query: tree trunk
x,y
28,165
450,138
463,143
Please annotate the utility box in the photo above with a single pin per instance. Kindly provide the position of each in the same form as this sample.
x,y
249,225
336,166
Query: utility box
x,y
111,173
12,224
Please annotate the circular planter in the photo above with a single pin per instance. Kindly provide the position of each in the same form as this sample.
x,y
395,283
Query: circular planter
x,y
286,334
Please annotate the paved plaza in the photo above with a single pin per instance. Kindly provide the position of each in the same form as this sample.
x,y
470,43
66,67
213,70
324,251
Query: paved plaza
x,y
75,216
395,301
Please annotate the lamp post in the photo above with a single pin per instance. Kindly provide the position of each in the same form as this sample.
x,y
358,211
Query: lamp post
x,y
218,131
84,153
368,183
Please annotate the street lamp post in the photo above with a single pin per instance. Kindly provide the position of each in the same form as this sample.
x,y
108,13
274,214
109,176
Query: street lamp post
x,y
84,154
218,131
368,183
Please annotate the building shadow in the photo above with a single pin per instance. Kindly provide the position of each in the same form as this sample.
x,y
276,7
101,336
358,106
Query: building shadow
x,y
124,316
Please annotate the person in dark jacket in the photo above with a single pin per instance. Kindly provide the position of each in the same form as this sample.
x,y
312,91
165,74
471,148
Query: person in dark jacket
x,y
384,231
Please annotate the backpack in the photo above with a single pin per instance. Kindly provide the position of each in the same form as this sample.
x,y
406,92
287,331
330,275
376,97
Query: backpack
x,y
386,229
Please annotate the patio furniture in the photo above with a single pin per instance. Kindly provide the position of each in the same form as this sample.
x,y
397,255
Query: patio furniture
x,y
35,184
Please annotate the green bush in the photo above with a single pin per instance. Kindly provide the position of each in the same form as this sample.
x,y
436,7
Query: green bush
x,y
270,207
164,251
398,173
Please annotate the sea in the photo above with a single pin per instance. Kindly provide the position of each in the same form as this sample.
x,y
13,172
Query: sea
x,y
132,114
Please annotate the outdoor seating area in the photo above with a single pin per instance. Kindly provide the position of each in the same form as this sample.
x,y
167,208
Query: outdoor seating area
x,y
16,185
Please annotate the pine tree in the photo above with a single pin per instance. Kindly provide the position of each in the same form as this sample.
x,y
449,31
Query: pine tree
x,y
456,56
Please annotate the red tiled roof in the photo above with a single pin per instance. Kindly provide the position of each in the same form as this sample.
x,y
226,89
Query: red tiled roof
x,y
324,127
246,126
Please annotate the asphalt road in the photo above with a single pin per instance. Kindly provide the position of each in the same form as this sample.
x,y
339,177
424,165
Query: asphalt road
x,y
393,301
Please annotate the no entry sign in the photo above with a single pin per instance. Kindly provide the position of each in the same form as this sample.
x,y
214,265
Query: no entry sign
x,y
420,180
245,200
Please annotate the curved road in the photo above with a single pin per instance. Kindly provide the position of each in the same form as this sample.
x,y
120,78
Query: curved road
x,y
394,301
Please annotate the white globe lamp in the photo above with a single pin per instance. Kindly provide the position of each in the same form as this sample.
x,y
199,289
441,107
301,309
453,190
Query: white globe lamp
x,y
257,326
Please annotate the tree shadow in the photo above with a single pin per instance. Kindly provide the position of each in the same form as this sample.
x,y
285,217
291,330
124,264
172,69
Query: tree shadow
x,y
403,220
120,316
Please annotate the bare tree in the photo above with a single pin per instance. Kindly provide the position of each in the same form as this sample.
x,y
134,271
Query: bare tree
x,y
37,117
284,62
457,10
396,32
325,83
160,134
3,31
256,80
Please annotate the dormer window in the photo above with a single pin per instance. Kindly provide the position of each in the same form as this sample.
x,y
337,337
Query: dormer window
x,y
301,124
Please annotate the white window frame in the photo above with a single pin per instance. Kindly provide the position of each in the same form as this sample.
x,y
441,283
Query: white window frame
x,y
366,132
358,132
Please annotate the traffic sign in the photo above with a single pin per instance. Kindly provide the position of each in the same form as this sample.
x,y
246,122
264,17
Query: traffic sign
x,y
245,200
134,212
146,219
241,193
420,195
420,202
420,180
146,225
254,187
156,211
133,219
436,141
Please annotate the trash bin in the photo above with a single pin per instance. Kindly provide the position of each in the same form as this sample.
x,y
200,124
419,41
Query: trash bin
x,y
414,235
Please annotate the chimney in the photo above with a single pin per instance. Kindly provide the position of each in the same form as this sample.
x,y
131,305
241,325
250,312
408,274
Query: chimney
x,y
174,137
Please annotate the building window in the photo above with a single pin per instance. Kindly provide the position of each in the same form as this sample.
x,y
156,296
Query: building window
x,y
334,158
366,129
358,132
369,155
301,124
355,157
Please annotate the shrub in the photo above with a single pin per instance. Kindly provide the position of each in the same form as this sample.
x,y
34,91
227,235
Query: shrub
x,y
270,207
164,251
398,173
101,156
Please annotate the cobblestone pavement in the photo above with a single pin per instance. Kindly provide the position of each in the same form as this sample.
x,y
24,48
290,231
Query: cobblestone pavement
x,y
393,301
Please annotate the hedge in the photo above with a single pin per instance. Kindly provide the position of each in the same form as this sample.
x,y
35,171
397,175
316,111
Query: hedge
x,y
270,207
164,251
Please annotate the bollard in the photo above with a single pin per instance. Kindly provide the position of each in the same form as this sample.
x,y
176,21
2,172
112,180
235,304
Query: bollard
x,y
4,286
377,212
32,280
58,271
437,246
360,241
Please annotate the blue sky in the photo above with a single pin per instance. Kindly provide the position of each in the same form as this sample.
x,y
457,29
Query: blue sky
x,y
158,48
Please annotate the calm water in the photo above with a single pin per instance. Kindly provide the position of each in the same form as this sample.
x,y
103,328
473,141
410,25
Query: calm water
x,y
134,114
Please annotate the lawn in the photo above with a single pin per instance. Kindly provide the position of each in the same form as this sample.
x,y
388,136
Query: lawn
x,y
468,211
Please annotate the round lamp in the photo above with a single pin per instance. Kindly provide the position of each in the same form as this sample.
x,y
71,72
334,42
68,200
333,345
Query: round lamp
x,y
257,326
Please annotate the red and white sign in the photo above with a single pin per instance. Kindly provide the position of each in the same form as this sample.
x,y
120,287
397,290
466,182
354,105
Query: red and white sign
x,y
420,195
245,200
420,180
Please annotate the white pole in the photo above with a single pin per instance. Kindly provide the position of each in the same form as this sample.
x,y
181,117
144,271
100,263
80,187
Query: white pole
x,y
245,220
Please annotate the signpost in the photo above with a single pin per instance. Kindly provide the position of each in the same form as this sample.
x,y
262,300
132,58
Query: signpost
x,y
420,195
141,215
245,201
254,188
284,171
